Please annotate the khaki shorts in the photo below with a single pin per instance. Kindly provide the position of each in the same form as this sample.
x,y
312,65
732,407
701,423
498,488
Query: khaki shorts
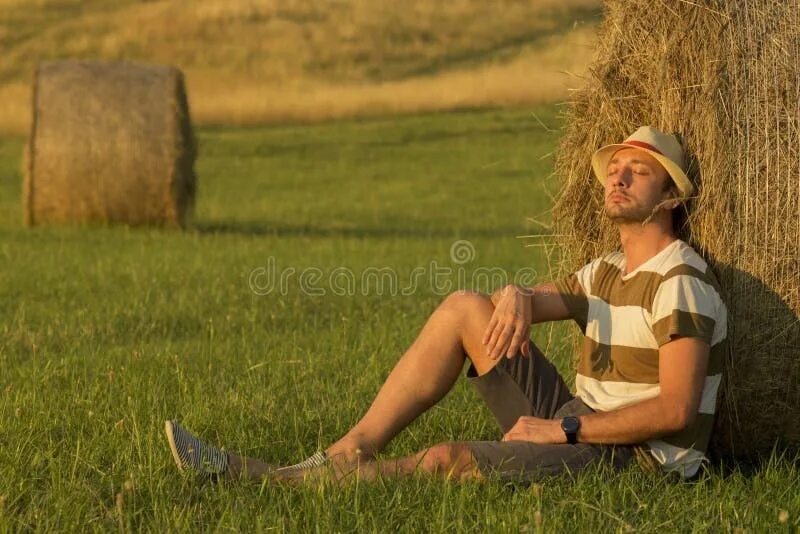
x,y
532,386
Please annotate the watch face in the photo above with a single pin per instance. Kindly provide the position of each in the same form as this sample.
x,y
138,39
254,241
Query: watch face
x,y
570,424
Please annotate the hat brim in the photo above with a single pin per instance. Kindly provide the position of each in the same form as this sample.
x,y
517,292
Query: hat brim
x,y
603,155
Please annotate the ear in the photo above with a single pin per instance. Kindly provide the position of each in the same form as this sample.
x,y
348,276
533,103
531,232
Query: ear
x,y
673,200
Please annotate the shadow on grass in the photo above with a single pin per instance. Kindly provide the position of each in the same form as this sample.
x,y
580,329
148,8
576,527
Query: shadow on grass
x,y
260,228
782,459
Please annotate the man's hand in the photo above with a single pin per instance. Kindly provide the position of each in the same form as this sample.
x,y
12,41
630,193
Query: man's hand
x,y
509,328
536,430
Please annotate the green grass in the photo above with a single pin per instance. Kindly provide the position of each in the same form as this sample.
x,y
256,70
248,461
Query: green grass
x,y
105,332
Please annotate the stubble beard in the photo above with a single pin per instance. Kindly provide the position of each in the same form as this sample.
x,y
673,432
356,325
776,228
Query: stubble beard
x,y
627,214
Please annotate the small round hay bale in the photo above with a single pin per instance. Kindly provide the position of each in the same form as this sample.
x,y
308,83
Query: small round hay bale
x,y
723,75
110,142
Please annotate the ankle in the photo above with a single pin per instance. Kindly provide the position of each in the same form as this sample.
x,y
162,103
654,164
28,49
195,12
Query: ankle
x,y
351,449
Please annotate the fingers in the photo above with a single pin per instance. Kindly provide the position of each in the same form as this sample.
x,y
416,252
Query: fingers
x,y
526,348
521,431
487,335
515,432
497,330
516,341
507,331
506,339
493,332
514,435
500,343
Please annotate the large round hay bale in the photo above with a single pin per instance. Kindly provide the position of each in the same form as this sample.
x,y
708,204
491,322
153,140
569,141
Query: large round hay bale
x,y
110,142
725,76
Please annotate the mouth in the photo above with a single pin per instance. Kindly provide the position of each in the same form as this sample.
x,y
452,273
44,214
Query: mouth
x,y
617,197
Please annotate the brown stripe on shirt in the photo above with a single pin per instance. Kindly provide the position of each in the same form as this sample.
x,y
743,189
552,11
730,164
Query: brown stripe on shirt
x,y
575,300
618,363
639,290
686,269
687,324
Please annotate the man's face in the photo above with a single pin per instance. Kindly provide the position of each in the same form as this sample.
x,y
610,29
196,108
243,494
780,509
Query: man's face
x,y
635,184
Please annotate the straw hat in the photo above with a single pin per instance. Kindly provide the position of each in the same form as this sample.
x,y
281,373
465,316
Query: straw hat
x,y
664,147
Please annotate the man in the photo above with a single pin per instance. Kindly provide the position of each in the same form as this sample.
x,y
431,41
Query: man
x,y
648,375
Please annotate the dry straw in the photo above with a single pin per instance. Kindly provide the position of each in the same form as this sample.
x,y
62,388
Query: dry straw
x,y
725,76
110,142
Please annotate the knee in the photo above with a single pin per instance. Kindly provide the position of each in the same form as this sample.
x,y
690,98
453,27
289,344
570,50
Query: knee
x,y
453,460
464,301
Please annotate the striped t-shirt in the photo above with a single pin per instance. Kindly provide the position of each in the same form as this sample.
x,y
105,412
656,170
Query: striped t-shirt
x,y
627,317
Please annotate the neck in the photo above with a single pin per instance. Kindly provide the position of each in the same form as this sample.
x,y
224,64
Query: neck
x,y
642,242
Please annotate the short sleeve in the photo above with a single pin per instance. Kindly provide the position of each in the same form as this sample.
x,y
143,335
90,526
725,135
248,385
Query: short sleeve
x,y
687,306
575,290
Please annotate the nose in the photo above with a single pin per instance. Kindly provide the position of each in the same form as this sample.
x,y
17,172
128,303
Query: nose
x,y
620,179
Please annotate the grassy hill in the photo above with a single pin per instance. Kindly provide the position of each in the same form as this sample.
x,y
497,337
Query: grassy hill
x,y
255,61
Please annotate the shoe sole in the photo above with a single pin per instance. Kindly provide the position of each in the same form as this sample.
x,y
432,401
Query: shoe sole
x,y
171,439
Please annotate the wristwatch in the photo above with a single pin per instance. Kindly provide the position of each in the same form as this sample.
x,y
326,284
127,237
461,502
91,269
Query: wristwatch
x,y
570,425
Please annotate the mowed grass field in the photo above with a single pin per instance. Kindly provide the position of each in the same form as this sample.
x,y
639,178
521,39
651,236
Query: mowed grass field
x,y
107,332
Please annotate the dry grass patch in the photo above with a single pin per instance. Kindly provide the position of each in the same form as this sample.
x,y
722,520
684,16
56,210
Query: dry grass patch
x,y
254,61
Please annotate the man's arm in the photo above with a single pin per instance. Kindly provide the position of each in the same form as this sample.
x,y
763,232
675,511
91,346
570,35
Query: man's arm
x,y
683,364
545,302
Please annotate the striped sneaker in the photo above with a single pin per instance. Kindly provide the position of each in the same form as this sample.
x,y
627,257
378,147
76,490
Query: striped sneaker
x,y
191,454
317,459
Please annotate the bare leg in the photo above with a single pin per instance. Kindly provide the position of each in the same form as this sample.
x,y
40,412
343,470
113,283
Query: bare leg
x,y
424,374
448,460
249,468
